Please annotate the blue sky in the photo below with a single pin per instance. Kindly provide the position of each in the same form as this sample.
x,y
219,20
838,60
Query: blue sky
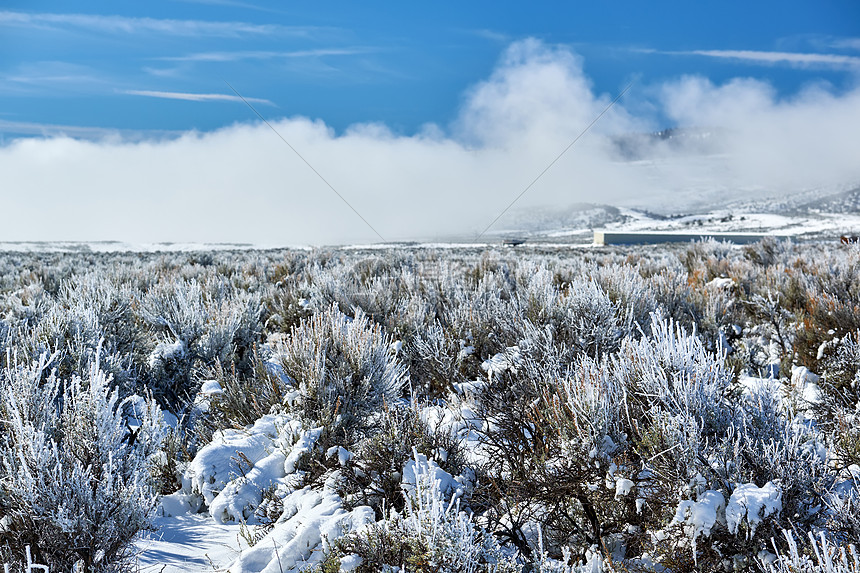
x,y
116,122
102,64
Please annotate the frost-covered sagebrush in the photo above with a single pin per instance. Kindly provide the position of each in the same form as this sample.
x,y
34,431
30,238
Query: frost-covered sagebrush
x,y
431,534
196,325
74,481
645,408
344,370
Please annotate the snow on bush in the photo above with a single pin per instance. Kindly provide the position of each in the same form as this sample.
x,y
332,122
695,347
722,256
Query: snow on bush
x,y
671,369
231,473
580,314
423,472
502,362
311,520
372,473
698,518
542,562
432,533
228,454
74,481
196,325
570,443
450,537
749,505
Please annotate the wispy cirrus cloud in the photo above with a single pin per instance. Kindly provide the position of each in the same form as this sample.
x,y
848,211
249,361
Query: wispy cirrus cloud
x,y
194,96
15,128
797,59
231,4
267,55
171,72
129,25
491,35
847,43
57,77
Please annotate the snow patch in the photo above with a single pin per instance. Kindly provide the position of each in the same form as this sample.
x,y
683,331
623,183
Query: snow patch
x,y
350,562
752,504
229,453
179,503
211,388
188,543
623,487
806,384
699,517
443,484
310,521
239,498
502,362
720,283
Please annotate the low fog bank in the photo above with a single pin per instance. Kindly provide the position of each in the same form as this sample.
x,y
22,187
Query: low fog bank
x,y
242,184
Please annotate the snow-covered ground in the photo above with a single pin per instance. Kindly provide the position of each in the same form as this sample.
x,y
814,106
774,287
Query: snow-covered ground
x,y
129,247
191,542
725,221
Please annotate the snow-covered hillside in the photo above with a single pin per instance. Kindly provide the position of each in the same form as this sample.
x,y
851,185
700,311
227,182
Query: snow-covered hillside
x,y
821,214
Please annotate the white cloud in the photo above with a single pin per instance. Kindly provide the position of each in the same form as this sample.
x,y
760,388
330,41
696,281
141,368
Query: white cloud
x,y
804,141
195,96
792,58
52,75
242,184
491,35
82,132
265,55
126,25
236,4
847,43
230,3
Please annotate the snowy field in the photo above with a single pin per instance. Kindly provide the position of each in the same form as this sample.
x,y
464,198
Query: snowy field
x,y
461,407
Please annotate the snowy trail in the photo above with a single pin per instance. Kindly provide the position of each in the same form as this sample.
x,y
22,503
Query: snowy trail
x,y
189,543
